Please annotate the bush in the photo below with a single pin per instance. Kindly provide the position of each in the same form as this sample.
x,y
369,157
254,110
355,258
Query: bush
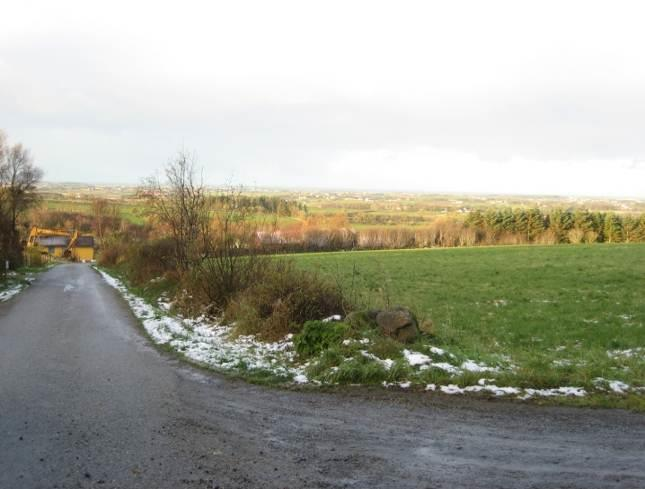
x,y
33,257
282,299
318,336
150,259
112,254
218,280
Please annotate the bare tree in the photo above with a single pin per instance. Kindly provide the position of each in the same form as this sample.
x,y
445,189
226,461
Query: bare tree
x,y
179,203
231,249
18,179
100,210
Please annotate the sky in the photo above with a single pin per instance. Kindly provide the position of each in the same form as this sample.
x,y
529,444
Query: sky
x,y
482,97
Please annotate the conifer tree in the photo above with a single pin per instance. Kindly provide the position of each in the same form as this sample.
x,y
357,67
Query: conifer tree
x,y
521,221
507,220
535,224
613,229
641,229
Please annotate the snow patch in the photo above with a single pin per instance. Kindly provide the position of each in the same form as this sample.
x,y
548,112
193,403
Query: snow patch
x,y
387,363
211,343
558,391
472,366
415,358
7,294
631,352
615,386
335,317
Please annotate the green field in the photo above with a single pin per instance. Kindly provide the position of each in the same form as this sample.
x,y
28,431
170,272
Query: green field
x,y
562,315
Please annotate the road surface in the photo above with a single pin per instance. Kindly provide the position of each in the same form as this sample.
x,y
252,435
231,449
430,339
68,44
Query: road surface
x,y
86,401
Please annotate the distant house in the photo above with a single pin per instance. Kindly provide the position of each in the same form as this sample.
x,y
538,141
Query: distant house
x,y
81,247
59,243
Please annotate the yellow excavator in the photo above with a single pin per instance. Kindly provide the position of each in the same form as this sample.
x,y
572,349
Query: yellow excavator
x,y
62,244
37,233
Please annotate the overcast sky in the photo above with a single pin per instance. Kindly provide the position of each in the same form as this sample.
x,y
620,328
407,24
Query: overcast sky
x,y
516,97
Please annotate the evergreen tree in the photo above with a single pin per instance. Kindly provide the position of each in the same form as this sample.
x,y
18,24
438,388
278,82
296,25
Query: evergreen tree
x,y
560,222
613,228
535,223
507,220
641,229
493,219
521,222
583,220
598,219
630,229
475,219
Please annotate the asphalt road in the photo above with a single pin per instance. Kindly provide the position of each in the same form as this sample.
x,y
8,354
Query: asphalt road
x,y
86,401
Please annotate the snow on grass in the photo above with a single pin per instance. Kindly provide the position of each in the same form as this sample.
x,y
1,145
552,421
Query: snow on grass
x,y
416,359
386,363
361,341
335,317
212,344
615,386
471,366
630,353
558,391
483,386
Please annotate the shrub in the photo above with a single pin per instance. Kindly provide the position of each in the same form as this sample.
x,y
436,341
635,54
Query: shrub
x,y
217,280
33,257
112,253
282,299
150,259
317,336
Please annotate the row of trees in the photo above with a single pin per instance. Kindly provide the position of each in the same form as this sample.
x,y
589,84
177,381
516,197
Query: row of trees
x,y
275,205
557,226
493,227
18,179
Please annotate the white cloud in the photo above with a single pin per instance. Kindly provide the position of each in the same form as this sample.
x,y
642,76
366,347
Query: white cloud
x,y
315,90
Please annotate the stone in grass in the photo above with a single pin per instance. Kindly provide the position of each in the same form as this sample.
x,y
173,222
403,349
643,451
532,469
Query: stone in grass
x,y
399,324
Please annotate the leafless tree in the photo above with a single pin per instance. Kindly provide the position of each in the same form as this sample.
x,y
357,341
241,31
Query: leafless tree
x,y
18,179
179,202
232,258
100,208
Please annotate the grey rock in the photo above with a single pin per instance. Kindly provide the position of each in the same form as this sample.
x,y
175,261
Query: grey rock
x,y
399,324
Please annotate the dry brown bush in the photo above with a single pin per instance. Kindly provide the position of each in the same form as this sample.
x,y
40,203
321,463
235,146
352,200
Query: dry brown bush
x,y
282,299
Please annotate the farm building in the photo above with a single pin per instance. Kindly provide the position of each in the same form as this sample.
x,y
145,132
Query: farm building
x,y
81,247
59,243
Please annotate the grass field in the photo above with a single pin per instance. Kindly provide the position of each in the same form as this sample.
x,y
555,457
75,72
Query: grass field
x,y
562,315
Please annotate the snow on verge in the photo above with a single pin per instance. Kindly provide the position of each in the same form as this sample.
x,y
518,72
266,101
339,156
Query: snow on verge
x,y
7,294
212,344
483,386
416,359
15,289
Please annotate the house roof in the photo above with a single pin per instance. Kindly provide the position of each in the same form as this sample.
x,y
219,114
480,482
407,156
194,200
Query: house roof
x,y
84,242
53,240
